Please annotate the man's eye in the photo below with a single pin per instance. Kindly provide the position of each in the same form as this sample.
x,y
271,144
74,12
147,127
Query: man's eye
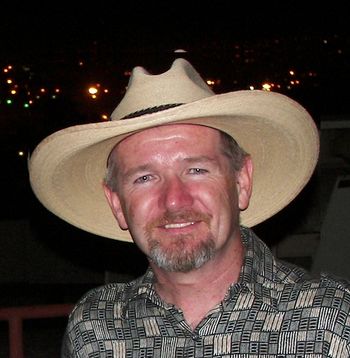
x,y
197,171
143,179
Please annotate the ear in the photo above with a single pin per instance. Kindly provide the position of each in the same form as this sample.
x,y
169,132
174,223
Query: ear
x,y
114,202
244,183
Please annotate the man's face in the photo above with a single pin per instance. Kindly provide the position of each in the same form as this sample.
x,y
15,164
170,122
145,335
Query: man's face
x,y
178,195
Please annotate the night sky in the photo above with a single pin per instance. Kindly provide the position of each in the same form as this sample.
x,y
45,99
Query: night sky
x,y
32,29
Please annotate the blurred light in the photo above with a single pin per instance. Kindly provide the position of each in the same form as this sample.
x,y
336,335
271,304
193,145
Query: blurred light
x,y
93,90
9,67
266,87
26,105
251,88
9,101
291,72
104,117
9,81
42,90
93,96
105,90
21,153
57,90
13,91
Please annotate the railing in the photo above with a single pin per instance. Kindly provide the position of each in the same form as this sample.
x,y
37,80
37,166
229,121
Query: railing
x,y
16,315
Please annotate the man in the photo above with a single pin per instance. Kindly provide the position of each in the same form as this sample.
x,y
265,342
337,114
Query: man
x,y
180,183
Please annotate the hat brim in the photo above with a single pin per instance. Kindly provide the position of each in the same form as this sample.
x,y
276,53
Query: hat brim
x,y
67,168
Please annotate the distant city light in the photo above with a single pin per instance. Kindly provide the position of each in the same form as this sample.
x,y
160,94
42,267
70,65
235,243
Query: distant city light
x,y
92,90
266,87
21,79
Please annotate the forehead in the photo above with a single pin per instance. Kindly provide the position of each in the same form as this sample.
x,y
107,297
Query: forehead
x,y
196,134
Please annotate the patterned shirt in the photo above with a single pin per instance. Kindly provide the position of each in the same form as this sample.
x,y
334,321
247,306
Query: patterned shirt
x,y
275,310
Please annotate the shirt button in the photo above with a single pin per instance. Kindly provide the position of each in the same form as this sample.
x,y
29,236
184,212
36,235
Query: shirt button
x,y
196,337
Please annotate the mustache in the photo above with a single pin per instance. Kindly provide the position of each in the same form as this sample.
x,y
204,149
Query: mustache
x,y
179,216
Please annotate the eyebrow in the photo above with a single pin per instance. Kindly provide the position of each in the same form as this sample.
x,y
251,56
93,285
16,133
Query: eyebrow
x,y
200,159
131,172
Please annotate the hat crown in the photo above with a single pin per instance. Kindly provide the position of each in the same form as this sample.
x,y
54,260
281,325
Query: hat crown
x,y
179,85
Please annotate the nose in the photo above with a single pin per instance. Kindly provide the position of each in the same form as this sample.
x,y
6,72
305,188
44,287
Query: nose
x,y
175,194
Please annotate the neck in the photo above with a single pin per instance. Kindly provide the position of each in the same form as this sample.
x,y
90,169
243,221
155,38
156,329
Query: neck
x,y
196,292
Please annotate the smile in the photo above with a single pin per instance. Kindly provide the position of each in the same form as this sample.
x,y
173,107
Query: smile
x,y
178,225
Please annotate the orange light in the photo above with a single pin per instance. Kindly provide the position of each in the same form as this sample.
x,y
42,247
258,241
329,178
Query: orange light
x,y
93,90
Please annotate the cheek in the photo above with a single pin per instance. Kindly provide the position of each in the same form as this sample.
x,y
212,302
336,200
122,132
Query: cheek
x,y
138,210
223,194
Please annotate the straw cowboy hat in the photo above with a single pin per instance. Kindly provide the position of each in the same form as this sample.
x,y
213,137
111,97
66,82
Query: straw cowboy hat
x,y
67,168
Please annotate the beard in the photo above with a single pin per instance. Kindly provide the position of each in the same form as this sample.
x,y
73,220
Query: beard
x,y
182,252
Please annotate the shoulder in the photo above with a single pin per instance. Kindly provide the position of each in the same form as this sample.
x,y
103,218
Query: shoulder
x,y
332,288
103,301
288,273
323,285
324,291
108,292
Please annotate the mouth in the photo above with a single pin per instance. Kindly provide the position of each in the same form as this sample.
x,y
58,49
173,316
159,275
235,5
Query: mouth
x,y
178,225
